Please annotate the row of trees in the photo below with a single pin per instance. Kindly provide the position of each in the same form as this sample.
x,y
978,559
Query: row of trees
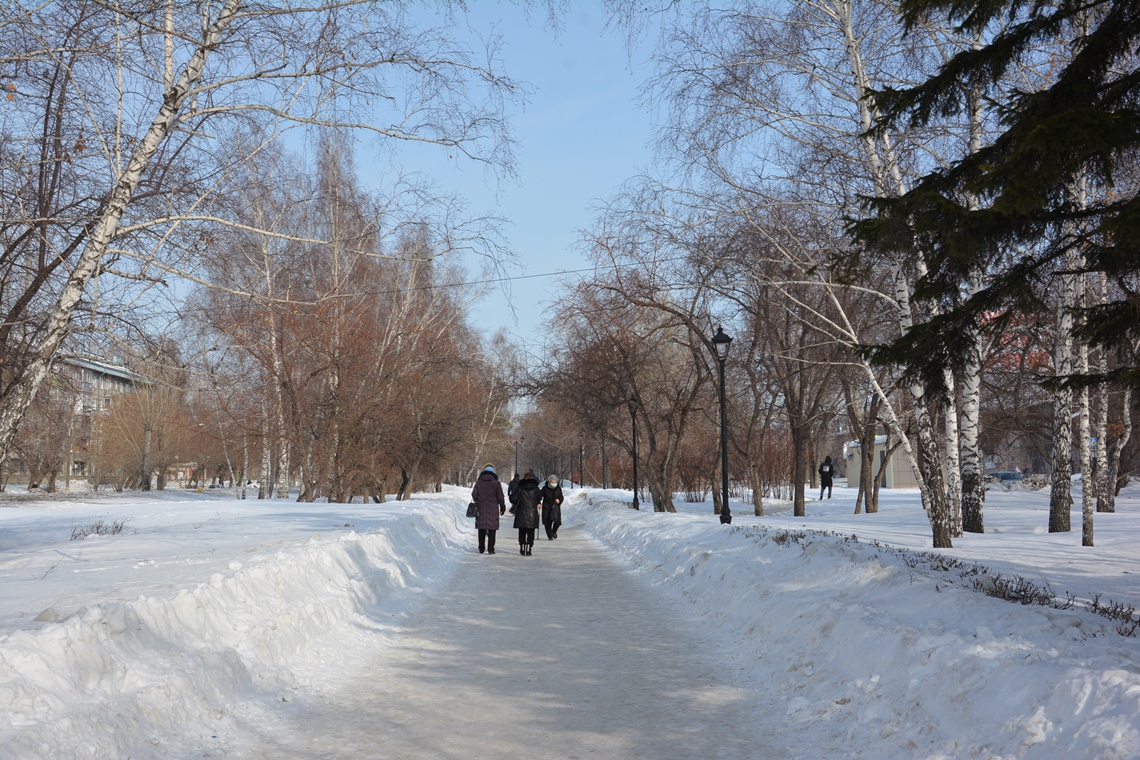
x,y
145,143
787,123
350,345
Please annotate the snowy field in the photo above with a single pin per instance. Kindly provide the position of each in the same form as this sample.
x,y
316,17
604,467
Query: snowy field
x,y
159,641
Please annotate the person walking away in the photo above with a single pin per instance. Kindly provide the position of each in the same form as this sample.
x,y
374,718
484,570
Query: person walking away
x,y
511,488
527,499
551,495
826,473
488,494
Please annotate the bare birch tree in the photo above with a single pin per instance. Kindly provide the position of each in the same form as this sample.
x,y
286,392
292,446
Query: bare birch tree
x,y
155,95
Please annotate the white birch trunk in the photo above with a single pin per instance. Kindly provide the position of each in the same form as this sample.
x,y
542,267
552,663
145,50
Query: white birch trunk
x,y
1088,499
973,499
244,464
104,232
1061,499
888,181
1101,422
1088,485
264,483
953,460
932,486
973,490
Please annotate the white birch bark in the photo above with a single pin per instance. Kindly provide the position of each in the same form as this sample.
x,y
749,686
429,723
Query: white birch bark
x,y
952,457
1061,499
888,181
265,482
1084,428
973,490
105,228
244,465
1101,422
1088,485
973,484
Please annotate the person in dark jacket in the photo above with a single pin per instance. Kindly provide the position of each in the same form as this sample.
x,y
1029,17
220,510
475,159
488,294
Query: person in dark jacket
x,y
527,499
551,495
826,473
488,494
511,488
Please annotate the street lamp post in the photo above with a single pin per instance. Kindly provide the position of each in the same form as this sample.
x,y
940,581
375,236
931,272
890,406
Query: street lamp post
x,y
520,440
720,343
633,416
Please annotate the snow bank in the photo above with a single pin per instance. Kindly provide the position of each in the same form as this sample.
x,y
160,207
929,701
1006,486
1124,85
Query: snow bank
x,y
898,661
165,673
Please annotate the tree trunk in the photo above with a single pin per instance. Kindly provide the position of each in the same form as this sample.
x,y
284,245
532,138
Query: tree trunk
x,y
244,465
1061,498
144,474
282,470
1088,484
934,486
1103,484
973,484
265,484
401,492
1117,448
953,459
867,468
605,464
103,233
800,450
756,483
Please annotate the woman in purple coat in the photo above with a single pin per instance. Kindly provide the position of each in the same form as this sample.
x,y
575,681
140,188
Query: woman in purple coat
x,y
488,494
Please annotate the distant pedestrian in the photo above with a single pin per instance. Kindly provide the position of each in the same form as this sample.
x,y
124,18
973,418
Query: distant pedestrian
x,y
527,499
511,488
826,473
551,507
488,494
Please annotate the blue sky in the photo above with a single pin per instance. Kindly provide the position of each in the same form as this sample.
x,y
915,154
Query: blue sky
x,y
581,135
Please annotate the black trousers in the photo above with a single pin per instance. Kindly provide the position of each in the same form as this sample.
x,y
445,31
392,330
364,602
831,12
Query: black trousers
x,y
552,529
825,487
486,540
526,536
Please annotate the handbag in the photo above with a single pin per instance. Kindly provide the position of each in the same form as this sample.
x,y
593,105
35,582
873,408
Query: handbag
x,y
473,509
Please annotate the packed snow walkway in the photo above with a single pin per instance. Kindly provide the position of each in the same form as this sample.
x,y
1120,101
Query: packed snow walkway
x,y
563,654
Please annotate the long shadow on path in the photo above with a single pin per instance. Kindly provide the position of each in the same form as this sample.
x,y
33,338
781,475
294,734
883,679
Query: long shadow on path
x,y
559,655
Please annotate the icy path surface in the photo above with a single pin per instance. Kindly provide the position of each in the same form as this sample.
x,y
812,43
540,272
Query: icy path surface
x,y
559,655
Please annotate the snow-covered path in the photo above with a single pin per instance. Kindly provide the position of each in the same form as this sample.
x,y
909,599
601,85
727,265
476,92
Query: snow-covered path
x,y
218,628
563,654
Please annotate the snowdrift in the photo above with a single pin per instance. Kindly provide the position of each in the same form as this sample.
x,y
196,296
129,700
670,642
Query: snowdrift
x,y
900,661
165,673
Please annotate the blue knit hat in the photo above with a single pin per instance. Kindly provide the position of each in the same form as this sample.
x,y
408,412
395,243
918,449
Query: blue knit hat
x,y
488,467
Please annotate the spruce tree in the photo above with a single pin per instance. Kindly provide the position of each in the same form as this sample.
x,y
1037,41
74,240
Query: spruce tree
x,y
1059,177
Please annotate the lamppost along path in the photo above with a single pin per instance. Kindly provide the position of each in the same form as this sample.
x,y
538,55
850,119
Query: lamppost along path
x,y
720,343
633,416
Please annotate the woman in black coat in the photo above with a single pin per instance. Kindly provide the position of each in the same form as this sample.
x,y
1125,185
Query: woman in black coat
x,y
551,507
488,494
526,501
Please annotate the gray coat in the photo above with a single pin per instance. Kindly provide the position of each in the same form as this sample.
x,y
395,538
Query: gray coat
x,y
526,502
488,494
